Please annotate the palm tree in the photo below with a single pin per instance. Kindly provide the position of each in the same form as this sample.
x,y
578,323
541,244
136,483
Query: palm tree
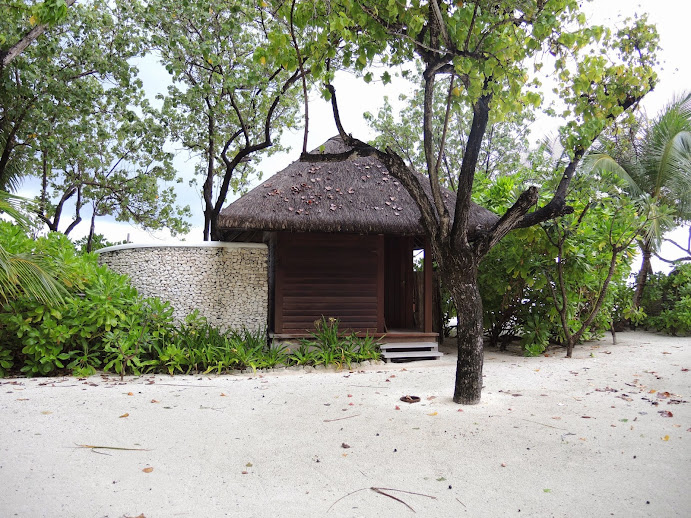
x,y
26,273
655,161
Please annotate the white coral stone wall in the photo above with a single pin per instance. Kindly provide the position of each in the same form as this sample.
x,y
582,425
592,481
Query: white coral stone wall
x,y
226,282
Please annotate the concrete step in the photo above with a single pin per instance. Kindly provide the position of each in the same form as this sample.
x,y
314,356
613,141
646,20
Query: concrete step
x,y
409,355
390,339
409,345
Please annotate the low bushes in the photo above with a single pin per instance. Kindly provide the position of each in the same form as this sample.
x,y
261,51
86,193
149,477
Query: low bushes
x,y
104,324
328,346
666,304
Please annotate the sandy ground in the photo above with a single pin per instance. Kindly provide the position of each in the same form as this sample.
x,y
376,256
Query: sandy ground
x,y
607,433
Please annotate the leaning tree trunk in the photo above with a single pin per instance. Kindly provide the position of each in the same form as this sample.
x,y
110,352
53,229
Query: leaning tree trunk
x,y
646,269
461,281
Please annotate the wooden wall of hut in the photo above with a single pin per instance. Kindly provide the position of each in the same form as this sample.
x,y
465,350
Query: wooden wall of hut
x,y
330,275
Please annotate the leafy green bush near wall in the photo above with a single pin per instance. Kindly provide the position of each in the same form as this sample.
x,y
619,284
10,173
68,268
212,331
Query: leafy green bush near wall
x,y
101,311
104,324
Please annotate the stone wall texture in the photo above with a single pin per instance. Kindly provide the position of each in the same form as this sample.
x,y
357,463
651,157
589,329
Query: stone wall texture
x,y
226,282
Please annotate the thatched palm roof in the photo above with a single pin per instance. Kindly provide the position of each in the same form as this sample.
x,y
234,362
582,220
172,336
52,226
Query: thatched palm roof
x,y
357,195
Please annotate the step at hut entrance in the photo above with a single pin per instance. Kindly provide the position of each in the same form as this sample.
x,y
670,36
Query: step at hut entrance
x,y
341,237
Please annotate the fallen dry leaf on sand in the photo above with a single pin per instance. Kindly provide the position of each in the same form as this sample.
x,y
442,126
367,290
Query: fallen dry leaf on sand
x,y
148,470
125,415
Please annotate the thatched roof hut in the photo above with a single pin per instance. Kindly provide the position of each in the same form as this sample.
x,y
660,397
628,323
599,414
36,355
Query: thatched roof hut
x,y
341,238
357,195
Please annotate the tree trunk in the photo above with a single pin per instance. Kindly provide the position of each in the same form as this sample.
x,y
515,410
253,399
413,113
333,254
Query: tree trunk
x,y
642,278
207,224
570,344
92,232
207,188
461,281
213,227
438,324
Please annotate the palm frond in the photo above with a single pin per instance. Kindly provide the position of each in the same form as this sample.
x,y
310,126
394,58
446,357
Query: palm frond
x,y
29,275
13,206
666,142
602,162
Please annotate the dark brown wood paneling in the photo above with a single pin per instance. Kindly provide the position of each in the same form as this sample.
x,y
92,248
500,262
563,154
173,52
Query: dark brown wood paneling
x,y
331,275
381,284
398,307
428,272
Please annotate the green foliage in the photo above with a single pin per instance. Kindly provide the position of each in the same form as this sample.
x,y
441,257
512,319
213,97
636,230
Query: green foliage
x,y
667,302
74,116
328,346
521,279
101,314
623,312
503,147
19,16
226,104
98,241
23,272
536,335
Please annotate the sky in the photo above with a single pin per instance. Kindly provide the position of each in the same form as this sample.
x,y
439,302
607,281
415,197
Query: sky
x,y
355,97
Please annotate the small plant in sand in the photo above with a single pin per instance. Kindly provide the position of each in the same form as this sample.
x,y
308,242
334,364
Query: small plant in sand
x,y
328,346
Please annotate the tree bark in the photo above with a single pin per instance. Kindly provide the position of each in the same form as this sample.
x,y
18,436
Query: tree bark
x,y
646,269
92,232
460,278
207,189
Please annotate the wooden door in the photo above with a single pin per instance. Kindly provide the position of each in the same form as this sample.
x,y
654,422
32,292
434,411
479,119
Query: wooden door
x,y
399,283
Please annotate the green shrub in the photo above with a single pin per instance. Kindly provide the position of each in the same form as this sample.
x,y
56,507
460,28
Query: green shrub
x,y
104,324
302,355
330,347
667,301
101,323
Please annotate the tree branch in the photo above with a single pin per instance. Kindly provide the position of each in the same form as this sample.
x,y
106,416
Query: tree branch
x,y
673,261
459,230
428,142
246,151
77,212
508,221
7,56
686,250
302,74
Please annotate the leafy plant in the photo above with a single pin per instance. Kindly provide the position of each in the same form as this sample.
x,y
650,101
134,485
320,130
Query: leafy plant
x,y
100,309
667,301
6,362
275,355
536,333
328,347
174,359
123,345
367,348
302,355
